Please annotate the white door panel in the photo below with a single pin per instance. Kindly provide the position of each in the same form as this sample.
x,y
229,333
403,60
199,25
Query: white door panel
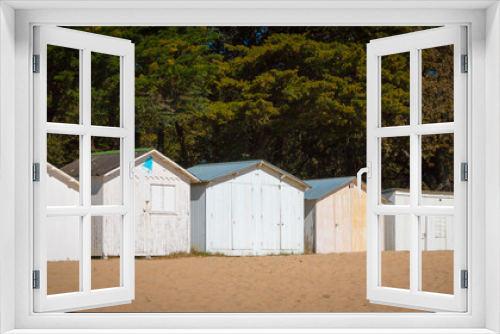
x,y
242,220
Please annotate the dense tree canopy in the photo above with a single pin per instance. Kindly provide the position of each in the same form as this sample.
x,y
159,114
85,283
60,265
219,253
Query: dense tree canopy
x,y
295,96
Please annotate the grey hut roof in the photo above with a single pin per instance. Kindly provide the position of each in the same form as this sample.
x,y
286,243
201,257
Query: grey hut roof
x,y
215,171
323,187
102,163
106,162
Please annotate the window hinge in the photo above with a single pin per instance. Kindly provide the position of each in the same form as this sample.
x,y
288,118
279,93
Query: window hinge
x,y
465,279
465,63
464,167
36,63
36,172
36,279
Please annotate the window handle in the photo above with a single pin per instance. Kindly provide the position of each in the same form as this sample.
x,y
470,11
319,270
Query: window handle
x,y
368,171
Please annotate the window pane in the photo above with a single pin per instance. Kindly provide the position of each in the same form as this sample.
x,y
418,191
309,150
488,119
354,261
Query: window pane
x,y
437,254
105,90
395,170
63,254
106,238
437,170
395,89
437,84
63,188
395,240
63,85
163,198
106,171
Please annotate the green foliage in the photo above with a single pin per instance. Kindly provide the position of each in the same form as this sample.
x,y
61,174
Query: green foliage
x,y
295,96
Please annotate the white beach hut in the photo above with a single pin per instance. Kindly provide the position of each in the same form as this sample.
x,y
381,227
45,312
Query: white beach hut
x,y
62,190
247,208
162,210
436,232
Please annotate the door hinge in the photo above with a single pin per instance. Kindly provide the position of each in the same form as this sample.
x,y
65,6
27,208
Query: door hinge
x,y
465,279
36,279
36,63
464,171
465,63
36,172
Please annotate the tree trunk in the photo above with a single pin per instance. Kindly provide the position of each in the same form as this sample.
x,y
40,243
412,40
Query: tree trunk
x,y
182,141
160,139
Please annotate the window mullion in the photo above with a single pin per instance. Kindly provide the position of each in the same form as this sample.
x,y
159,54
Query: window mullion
x,y
414,170
86,169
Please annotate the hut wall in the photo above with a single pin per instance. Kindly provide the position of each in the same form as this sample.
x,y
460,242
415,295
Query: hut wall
x,y
358,219
97,229
292,219
63,232
59,193
341,221
219,217
332,219
436,232
309,226
198,218
269,228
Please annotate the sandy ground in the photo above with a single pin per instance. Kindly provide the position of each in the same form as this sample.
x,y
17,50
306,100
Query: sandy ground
x,y
298,283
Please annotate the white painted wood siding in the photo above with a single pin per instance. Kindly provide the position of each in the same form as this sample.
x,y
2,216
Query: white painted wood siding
x,y
292,219
436,232
339,221
309,226
270,222
64,232
243,222
251,214
156,233
219,217
198,218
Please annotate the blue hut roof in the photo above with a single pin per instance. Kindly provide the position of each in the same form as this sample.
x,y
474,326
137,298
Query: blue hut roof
x,y
214,171
322,187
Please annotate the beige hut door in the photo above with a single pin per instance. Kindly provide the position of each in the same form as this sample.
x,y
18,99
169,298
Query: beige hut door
x,y
417,143
70,68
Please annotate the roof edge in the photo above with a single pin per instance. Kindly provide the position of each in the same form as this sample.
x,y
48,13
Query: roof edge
x,y
334,189
190,176
263,163
58,172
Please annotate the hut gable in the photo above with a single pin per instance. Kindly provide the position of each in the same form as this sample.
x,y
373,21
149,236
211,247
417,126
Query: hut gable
x,y
108,164
323,187
63,177
218,172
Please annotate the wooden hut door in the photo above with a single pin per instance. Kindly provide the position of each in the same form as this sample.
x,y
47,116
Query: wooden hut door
x,y
243,226
270,229
417,140
291,209
72,71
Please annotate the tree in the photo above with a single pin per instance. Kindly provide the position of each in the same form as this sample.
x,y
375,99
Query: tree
x,y
294,96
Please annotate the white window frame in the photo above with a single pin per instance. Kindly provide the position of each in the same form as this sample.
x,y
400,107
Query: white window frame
x,y
86,44
414,43
483,314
